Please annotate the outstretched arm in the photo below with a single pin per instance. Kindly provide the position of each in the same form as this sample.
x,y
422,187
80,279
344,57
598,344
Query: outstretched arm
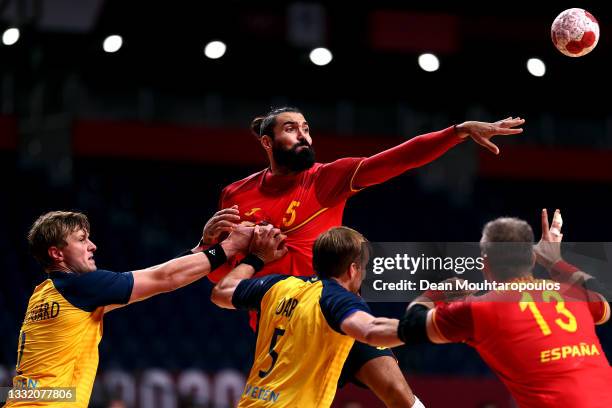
x,y
424,149
179,272
376,331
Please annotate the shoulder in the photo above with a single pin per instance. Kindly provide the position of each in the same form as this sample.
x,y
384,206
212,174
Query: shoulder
x,y
258,286
337,303
270,280
345,163
334,295
243,184
250,292
93,289
65,280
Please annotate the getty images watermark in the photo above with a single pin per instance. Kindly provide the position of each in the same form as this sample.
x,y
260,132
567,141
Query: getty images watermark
x,y
401,271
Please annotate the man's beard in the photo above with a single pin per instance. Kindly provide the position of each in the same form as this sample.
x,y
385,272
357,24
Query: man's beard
x,y
293,160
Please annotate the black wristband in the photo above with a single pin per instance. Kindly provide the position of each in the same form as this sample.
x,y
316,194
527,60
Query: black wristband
x,y
216,256
412,328
189,251
254,261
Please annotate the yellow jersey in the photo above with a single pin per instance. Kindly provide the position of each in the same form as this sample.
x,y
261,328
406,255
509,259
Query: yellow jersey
x,y
300,347
59,337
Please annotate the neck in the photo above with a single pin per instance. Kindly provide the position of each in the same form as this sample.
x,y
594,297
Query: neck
x,y
342,281
59,267
277,170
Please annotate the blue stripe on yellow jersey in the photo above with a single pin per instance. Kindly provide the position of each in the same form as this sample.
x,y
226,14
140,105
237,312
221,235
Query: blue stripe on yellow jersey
x,y
58,341
300,347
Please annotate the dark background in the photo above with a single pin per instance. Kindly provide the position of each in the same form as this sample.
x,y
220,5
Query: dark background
x,y
144,139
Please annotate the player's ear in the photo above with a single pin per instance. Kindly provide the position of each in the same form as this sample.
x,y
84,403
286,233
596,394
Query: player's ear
x,y
55,254
266,142
353,270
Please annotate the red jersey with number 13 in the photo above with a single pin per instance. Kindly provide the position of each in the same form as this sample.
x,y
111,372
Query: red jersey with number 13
x,y
542,344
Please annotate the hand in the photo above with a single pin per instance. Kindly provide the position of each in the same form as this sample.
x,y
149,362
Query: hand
x,y
238,240
482,132
268,243
548,250
222,221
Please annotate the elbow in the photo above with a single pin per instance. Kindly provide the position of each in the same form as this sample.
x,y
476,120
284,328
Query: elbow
x,y
372,336
215,296
368,338
219,298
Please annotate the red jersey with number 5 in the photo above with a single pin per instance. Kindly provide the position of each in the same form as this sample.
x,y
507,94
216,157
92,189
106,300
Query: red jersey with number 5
x,y
542,344
308,203
303,206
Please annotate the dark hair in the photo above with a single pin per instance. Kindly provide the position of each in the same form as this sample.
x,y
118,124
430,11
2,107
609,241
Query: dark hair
x,y
335,250
264,125
507,243
51,229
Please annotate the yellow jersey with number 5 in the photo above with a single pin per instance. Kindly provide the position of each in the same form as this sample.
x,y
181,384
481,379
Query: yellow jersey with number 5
x,y
300,347
59,337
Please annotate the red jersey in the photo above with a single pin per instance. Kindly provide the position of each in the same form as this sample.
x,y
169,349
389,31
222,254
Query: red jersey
x,y
541,344
308,203
302,205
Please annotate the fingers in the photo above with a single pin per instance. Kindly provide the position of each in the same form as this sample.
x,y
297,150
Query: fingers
x,y
225,226
245,229
231,210
488,144
545,228
510,122
555,229
226,217
557,220
281,252
268,243
278,239
263,233
279,244
507,131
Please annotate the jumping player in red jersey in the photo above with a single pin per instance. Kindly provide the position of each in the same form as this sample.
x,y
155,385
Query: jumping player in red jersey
x,y
542,344
304,198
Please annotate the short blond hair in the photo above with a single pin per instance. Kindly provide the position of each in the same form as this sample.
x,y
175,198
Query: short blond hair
x,y
336,249
52,229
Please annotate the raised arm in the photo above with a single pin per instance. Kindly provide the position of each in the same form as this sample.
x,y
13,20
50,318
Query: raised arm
x,y
548,252
548,255
424,149
266,246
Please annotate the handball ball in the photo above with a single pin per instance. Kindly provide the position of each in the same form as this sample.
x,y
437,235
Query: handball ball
x,y
575,32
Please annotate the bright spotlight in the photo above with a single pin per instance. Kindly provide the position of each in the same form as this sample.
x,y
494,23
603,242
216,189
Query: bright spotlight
x,y
10,36
429,62
112,43
536,67
215,49
321,56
